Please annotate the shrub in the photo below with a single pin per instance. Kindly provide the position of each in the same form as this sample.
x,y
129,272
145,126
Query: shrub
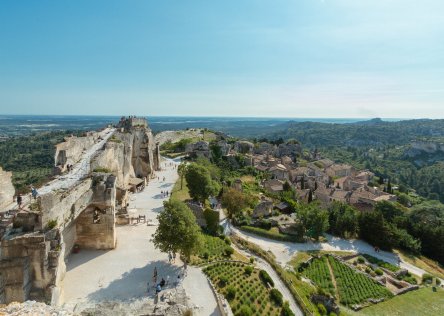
x,y
427,278
361,259
286,311
251,260
276,297
223,280
379,272
206,255
321,308
51,224
438,281
102,170
245,310
266,278
248,270
231,293
228,241
229,251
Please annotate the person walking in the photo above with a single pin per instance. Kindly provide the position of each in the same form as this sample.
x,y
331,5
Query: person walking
x,y
34,192
19,201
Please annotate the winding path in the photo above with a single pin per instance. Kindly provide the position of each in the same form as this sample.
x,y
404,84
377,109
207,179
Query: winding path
x,y
284,251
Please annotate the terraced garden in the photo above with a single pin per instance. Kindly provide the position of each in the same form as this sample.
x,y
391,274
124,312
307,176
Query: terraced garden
x,y
245,290
319,273
213,249
353,287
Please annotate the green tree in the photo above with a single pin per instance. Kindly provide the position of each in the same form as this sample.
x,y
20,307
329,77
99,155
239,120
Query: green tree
x,y
199,182
235,201
314,219
343,220
177,230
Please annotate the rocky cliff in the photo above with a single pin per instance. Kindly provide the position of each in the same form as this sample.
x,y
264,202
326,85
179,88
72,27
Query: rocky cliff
x,y
6,188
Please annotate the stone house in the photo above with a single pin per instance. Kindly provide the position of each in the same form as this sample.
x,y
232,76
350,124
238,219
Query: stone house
x,y
263,209
274,186
339,170
280,172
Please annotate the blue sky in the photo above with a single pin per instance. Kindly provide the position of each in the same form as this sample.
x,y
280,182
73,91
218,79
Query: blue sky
x,y
300,58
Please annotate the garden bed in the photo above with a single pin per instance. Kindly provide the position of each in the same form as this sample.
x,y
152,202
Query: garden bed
x,y
356,288
244,290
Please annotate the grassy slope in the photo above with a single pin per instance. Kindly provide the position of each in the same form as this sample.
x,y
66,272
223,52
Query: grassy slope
x,y
178,193
416,303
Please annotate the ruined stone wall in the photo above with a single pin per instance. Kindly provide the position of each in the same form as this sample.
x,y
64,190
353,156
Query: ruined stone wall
x,y
7,190
70,151
65,206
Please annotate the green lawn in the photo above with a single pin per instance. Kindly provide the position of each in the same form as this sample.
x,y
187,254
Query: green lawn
x,y
423,302
180,194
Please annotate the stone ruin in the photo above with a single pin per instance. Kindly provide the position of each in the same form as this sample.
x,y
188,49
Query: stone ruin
x,y
74,210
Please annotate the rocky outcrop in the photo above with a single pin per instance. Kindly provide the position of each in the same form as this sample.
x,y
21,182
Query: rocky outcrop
x,y
424,147
75,210
6,188
243,147
70,151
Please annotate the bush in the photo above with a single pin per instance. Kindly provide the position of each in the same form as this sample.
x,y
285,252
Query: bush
x,y
266,278
286,311
268,234
248,270
379,272
276,297
438,281
322,310
228,251
51,224
361,259
251,260
245,310
206,255
231,293
223,280
228,241
427,278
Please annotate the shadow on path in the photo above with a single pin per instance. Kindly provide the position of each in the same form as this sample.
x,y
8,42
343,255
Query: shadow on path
x,y
77,259
134,284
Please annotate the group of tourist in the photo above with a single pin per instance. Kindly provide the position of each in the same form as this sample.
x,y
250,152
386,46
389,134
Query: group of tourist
x,y
19,198
69,168
165,194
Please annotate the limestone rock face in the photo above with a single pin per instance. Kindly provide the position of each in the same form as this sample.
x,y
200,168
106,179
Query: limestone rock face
x,y
116,157
70,151
243,147
6,188
143,152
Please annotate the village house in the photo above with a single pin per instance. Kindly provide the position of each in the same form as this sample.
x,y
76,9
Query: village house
x,y
263,209
279,172
274,186
339,170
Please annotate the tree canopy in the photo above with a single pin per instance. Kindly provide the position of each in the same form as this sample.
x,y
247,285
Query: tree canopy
x,y
199,182
177,230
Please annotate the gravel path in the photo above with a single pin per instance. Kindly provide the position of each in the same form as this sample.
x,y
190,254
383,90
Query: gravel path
x,y
284,251
122,274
